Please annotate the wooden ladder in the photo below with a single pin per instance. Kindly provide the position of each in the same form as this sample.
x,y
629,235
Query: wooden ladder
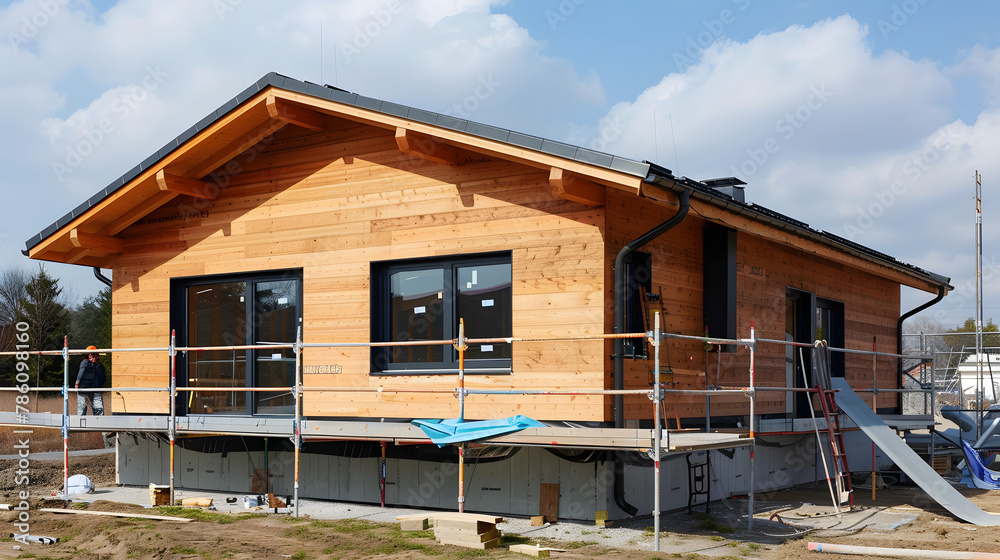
x,y
841,471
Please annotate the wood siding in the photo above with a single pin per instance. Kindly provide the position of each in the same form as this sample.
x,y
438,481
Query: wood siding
x,y
871,308
333,202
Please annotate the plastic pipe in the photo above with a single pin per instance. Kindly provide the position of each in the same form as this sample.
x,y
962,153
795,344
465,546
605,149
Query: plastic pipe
x,y
901,552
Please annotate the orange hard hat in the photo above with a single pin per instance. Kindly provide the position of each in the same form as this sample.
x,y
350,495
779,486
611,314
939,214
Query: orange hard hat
x,y
91,347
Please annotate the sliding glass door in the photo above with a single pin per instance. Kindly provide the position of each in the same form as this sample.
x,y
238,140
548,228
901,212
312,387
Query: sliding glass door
x,y
233,312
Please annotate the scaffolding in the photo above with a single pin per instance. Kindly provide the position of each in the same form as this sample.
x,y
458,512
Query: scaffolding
x,y
655,442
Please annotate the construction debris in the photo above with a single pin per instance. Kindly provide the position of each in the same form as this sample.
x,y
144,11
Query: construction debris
x,y
159,494
534,550
196,502
34,538
117,514
468,530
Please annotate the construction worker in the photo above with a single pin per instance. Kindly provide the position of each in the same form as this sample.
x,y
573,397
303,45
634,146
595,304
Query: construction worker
x,y
91,376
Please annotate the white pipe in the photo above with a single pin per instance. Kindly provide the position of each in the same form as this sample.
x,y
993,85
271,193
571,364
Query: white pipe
x,y
901,552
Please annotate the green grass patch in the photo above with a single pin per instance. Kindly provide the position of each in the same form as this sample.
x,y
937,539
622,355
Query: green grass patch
x,y
183,550
199,514
81,505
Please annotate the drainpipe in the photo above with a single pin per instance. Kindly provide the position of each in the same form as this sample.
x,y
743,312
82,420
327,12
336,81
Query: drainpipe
x,y
652,234
104,279
619,464
942,290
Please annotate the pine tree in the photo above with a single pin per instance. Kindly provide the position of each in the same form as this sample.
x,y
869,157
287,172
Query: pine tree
x,y
92,325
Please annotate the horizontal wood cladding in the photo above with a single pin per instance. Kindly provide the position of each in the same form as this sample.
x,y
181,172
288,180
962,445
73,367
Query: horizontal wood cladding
x,y
331,203
871,308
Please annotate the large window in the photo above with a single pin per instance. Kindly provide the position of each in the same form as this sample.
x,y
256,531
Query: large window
x,y
234,311
425,300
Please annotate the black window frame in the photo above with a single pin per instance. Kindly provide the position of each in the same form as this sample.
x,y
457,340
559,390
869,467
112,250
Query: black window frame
x,y
381,323
179,309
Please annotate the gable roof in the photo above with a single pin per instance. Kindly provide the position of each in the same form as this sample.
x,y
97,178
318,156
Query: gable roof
x,y
85,235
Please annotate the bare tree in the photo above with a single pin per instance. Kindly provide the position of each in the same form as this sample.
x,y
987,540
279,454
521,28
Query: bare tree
x,y
13,293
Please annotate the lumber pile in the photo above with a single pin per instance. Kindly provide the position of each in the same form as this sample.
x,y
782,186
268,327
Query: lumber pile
x,y
460,529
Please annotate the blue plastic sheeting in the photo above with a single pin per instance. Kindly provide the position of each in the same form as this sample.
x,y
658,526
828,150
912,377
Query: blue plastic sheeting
x,y
982,477
453,430
916,468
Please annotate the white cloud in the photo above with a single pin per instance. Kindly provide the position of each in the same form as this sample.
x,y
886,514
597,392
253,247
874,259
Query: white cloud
x,y
983,64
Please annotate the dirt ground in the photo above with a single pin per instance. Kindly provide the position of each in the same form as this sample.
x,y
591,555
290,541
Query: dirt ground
x,y
263,536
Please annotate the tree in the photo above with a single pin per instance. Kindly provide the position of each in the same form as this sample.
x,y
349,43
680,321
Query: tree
x,y
965,344
48,322
13,293
92,325
922,334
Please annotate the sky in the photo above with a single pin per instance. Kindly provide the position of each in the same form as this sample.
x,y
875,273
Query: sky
x,y
865,119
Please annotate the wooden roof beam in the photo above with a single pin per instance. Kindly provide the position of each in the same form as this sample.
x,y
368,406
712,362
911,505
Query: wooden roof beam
x,y
183,185
96,242
293,113
569,185
426,147
237,147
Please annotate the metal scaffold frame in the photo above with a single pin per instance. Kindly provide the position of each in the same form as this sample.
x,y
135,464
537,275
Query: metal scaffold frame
x,y
656,393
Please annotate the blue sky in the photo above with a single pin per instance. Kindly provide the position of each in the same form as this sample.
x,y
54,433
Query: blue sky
x,y
866,119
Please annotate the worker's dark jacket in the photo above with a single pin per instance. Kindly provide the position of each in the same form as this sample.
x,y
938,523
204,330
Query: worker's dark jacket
x,y
89,373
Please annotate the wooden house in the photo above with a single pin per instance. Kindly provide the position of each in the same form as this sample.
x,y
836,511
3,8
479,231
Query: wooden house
x,y
300,206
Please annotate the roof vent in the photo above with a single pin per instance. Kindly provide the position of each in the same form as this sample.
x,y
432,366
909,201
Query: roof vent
x,y
730,186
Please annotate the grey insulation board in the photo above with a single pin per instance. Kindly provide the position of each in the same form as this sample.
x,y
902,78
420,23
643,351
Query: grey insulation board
x,y
906,459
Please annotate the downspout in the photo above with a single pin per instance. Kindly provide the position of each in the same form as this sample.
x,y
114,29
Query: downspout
x,y
619,271
942,290
104,279
652,234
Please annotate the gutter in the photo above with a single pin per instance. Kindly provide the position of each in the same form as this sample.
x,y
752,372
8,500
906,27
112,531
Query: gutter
x,y
104,279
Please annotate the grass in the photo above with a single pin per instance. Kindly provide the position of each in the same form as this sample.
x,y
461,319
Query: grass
x,y
198,514
708,524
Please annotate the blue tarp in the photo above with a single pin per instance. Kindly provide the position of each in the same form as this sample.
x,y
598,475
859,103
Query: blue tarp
x,y
453,430
985,478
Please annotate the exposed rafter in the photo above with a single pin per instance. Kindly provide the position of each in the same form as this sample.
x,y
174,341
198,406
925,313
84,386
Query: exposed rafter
x,y
96,242
294,113
426,147
183,185
571,186
237,147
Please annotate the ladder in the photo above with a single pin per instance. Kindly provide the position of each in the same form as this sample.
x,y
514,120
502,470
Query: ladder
x,y
838,453
699,481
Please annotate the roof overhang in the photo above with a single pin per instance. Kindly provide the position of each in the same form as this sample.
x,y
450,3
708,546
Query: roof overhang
x,y
192,164
195,165
775,227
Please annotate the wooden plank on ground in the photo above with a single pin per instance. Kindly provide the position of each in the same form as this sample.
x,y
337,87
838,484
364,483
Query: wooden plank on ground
x,y
117,514
466,536
488,544
451,515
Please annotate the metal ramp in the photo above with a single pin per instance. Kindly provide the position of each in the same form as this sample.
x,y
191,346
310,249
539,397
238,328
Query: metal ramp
x,y
906,459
